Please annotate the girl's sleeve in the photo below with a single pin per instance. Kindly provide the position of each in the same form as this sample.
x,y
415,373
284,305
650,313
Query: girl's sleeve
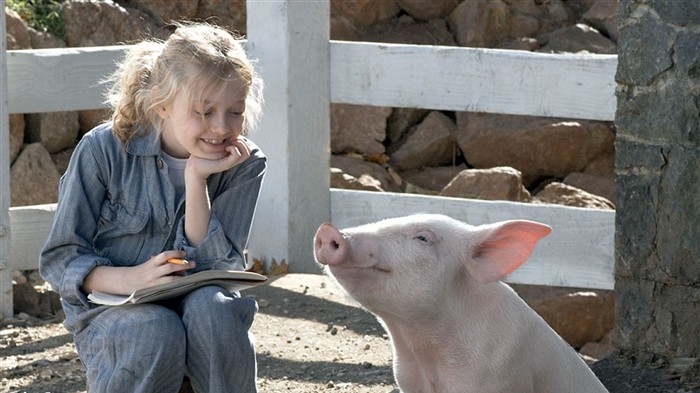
x,y
67,256
233,202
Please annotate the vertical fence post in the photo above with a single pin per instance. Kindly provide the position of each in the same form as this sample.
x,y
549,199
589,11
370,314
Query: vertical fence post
x,y
291,41
5,270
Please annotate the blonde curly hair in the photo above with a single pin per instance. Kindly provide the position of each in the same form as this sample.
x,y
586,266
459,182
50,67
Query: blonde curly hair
x,y
196,57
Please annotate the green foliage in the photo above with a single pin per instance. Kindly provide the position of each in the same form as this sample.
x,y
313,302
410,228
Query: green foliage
x,y
42,15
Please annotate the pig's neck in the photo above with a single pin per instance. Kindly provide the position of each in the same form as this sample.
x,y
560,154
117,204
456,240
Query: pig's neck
x,y
462,306
445,340
463,312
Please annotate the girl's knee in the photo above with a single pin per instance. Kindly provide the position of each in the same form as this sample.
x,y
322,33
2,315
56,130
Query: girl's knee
x,y
150,328
125,345
245,308
220,307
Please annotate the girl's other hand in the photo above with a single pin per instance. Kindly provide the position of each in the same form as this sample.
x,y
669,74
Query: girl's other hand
x,y
238,152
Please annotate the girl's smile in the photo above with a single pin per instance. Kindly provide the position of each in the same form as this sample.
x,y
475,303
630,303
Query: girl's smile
x,y
213,141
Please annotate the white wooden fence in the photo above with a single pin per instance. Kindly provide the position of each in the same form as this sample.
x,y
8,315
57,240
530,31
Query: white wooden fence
x,y
304,72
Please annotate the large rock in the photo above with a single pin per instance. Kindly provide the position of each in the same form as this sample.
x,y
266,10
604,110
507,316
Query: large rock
x,y
578,38
55,130
101,23
401,120
598,178
603,186
62,159
358,129
364,12
481,24
166,11
594,351
432,178
349,18
16,135
89,119
339,179
562,194
538,147
497,23
602,166
603,16
405,30
359,169
579,316
501,183
428,10
555,14
17,33
430,143
230,13
34,177
45,40
41,304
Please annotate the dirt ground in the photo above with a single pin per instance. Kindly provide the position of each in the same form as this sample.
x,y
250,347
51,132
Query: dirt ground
x,y
309,338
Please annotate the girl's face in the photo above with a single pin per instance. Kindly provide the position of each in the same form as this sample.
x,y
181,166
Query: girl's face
x,y
205,128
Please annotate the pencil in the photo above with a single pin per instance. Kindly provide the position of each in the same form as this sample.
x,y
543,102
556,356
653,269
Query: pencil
x,y
178,261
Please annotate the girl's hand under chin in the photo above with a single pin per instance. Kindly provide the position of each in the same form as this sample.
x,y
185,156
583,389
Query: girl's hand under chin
x,y
237,152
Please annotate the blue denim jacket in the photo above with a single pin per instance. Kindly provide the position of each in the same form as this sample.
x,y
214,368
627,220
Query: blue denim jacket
x,y
117,207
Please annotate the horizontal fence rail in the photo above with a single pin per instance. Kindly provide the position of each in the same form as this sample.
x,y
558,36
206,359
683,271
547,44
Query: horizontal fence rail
x,y
52,80
418,76
578,253
579,86
30,228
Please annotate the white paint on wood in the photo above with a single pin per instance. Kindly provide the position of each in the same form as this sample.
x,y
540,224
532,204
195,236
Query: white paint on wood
x,y
67,79
474,80
578,253
433,77
30,229
290,39
5,225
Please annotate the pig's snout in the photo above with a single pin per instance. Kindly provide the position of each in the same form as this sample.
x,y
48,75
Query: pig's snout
x,y
330,247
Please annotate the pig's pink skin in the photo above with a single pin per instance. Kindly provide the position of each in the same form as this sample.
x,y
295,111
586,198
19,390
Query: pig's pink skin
x,y
433,282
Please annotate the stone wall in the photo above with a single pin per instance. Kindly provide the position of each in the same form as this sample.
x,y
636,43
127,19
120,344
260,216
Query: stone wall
x,y
472,155
658,179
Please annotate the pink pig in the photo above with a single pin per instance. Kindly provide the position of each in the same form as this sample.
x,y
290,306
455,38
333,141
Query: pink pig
x,y
433,282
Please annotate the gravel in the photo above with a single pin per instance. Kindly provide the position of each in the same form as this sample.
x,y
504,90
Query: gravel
x,y
309,338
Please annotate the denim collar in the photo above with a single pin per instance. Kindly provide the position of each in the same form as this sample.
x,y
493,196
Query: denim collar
x,y
144,145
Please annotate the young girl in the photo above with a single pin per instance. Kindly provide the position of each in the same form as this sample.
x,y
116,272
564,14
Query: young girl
x,y
170,176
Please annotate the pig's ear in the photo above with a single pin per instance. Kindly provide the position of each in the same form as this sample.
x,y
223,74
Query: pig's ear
x,y
503,248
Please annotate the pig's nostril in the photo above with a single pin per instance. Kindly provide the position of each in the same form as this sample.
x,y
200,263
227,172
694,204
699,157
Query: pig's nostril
x,y
335,245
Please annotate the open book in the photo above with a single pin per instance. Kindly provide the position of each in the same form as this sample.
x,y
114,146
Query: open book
x,y
232,280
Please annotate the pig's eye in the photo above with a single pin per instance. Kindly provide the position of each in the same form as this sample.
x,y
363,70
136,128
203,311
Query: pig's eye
x,y
422,238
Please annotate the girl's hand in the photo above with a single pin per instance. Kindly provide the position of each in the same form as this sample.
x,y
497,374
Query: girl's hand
x,y
198,206
237,152
121,280
156,270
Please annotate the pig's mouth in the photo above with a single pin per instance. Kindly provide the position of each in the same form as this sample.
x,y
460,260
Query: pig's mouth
x,y
347,267
359,280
